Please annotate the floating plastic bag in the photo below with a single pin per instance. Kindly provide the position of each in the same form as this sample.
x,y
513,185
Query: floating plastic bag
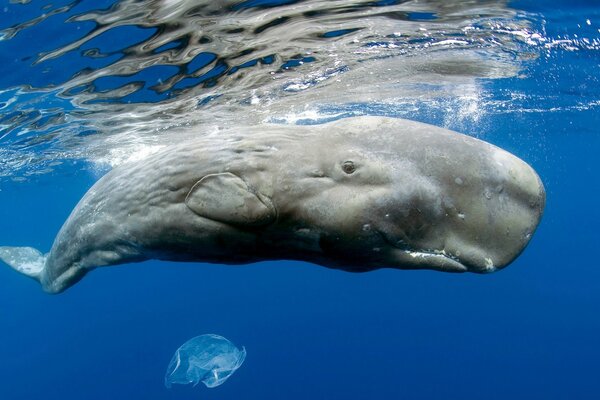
x,y
209,359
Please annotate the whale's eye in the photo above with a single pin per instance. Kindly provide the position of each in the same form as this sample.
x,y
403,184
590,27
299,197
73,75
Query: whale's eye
x,y
348,167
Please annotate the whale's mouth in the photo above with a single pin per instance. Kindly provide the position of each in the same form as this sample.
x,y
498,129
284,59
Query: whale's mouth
x,y
436,259
405,256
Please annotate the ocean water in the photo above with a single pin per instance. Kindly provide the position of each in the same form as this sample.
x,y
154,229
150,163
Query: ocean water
x,y
88,85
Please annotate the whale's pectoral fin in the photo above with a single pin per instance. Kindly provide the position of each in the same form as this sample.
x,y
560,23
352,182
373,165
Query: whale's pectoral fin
x,y
26,260
227,198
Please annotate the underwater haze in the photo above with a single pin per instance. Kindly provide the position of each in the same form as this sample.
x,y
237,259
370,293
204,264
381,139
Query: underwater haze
x,y
89,85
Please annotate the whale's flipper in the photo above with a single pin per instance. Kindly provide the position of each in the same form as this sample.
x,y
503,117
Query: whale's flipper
x,y
26,260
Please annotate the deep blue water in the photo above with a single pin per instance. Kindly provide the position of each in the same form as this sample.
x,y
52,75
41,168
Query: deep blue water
x,y
528,332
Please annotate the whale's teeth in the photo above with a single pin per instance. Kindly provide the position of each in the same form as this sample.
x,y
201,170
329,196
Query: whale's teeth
x,y
489,265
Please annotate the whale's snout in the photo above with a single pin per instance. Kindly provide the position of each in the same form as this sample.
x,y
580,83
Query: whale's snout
x,y
469,207
503,215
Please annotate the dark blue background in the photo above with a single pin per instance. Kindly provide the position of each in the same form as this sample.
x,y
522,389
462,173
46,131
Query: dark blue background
x,y
528,332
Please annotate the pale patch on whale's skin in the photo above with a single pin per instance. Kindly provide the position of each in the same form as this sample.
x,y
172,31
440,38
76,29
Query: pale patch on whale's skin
x,y
355,194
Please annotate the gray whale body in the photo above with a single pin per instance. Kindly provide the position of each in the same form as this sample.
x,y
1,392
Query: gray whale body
x,y
356,194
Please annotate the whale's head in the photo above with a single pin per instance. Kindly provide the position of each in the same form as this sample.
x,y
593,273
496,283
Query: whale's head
x,y
393,193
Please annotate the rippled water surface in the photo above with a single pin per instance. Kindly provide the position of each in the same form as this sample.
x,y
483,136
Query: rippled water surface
x,y
87,85
98,80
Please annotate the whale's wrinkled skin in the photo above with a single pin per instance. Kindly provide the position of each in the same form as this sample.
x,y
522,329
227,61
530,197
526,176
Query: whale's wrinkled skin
x,y
356,194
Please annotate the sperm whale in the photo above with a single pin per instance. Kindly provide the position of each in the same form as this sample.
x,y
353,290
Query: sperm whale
x,y
356,194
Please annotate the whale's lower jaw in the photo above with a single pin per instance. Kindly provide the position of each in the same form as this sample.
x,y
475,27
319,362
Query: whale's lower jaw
x,y
439,261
